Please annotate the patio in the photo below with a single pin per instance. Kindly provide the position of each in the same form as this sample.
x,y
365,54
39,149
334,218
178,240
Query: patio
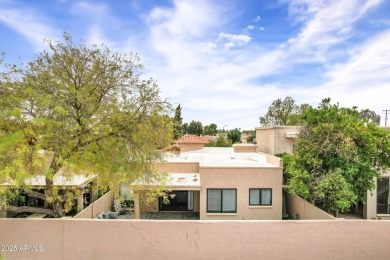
x,y
166,215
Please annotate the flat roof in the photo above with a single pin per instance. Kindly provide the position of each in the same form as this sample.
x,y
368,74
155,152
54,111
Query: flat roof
x,y
279,127
221,157
184,180
175,181
58,180
61,178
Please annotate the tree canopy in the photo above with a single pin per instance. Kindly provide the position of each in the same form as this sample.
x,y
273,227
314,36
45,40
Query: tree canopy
x,y
283,112
234,135
221,141
88,108
337,156
211,129
370,116
280,112
195,128
177,123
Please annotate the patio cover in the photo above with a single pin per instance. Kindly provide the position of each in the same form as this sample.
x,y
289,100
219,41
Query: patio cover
x,y
177,181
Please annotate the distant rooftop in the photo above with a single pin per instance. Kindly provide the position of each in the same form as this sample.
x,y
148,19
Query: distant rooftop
x,y
193,139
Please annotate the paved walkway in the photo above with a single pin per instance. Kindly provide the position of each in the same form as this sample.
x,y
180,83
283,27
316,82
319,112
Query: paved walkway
x,y
175,215
349,215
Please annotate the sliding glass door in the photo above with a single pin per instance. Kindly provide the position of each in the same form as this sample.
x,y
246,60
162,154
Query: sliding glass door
x,y
179,201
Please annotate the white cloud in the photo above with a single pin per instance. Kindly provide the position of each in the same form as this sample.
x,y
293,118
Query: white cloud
x,y
219,77
208,77
360,81
186,19
229,45
199,65
234,39
208,46
380,22
86,8
96,36
179,34
363,79
369,62
325,23
30,24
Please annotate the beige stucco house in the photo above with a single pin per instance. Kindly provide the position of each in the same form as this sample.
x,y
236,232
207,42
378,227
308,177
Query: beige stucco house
x,y
276,139
378,201
221,182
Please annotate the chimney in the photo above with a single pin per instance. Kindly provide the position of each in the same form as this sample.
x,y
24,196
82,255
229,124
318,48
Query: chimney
x,y
244,138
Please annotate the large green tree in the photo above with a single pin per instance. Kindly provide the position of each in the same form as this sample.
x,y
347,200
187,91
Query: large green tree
x,y
234,135
220,141
283,112
184,128
337,156
195,128
280,112
88,109
370,116
177,123
211,129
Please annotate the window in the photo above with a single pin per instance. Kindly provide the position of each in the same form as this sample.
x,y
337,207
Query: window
x,y
221,200
383,196
260,197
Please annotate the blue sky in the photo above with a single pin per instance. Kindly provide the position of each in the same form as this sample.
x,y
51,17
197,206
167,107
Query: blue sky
x,y
226,61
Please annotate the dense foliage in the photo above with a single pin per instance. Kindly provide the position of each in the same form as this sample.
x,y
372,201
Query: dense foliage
x,y
370,116
195,128
234,135
281,112
337,156
211,129
87,108
177,123
221,141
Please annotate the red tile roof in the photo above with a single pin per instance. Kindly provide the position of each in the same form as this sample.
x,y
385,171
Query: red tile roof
x,y
193,139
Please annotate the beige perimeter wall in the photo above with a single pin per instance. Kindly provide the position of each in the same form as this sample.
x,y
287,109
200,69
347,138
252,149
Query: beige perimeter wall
x,y
177,167
103,204
126,239
299,208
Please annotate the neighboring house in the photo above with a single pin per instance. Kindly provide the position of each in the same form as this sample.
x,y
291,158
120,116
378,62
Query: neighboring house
x,y
218,182
192,142
280,139
276,139
378,201
221,183
86,184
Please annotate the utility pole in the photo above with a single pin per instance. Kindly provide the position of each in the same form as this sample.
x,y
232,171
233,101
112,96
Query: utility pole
x,y
385,112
